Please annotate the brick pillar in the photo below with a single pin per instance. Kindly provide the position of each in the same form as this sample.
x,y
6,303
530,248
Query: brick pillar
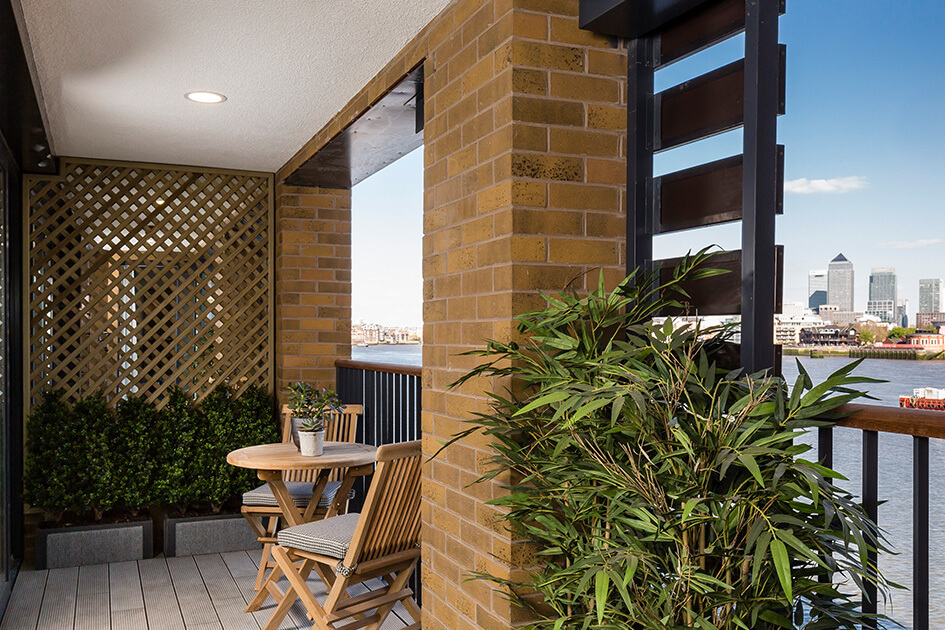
x,y
525,178
313,283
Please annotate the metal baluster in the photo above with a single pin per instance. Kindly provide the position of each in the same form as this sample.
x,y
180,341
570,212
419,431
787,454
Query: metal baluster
x,y
870,504
920,533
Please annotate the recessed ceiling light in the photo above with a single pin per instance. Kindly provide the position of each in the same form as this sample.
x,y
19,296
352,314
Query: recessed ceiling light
x,y
160,202
205,97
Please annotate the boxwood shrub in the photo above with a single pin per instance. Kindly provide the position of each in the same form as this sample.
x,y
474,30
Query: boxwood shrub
x,y
84,457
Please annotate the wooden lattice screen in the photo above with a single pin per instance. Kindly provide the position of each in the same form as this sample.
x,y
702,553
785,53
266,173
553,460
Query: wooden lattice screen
x,y
145,276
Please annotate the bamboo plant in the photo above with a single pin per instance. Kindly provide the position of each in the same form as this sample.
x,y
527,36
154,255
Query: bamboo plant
x,y
660,490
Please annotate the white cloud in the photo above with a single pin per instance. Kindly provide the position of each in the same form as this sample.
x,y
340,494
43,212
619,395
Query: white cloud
x,y
922,242
837,185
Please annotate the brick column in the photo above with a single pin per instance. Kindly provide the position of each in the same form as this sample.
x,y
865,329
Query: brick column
x,y
313,283
525,178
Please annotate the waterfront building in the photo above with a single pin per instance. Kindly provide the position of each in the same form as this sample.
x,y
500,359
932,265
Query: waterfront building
x,y
787,329
816,289
932,342
840,283
829,336
930,295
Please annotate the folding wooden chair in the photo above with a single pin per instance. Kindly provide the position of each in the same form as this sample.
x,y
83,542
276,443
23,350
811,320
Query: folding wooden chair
x,y
382,542
259,504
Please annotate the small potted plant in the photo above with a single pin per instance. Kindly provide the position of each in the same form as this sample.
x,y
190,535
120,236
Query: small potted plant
x,y
309,407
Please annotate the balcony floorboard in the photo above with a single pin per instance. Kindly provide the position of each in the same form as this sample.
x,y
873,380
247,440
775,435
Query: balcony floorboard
x,y
188,593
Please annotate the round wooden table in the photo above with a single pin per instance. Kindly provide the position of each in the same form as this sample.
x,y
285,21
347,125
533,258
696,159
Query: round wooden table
x,y
269,460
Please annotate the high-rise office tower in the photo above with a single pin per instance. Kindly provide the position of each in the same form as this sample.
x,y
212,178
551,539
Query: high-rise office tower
x,y
930,295
816,289
840,283
883,296
883,284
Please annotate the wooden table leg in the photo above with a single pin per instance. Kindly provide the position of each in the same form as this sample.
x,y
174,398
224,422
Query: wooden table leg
x,y
292,514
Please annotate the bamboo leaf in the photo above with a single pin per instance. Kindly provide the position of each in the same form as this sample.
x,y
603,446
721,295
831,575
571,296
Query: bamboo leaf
x,y
783,566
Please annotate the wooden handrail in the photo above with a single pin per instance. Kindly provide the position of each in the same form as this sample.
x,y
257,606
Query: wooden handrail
x,y
917,422
408,370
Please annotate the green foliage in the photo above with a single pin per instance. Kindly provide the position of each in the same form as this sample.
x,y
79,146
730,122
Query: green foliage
x,y
84,457
867,337
67,466
659,491
305,401
135,452
899,332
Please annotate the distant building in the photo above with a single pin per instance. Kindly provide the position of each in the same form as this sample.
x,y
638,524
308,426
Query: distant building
x,y
840,283
883,296
883,284
792,309
902,317
787,330
885,310
829,336
930,295
830,313
926,341
816,289
929,320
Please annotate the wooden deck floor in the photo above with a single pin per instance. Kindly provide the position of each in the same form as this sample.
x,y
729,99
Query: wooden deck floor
x,y
188,593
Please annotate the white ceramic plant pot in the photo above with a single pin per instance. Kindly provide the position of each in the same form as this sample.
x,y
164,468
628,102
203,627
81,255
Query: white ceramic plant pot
x,y
311,443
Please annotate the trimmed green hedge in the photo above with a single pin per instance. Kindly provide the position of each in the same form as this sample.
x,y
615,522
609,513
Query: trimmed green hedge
x,y
85,457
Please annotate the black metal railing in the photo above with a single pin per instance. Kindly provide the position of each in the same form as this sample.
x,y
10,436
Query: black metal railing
x,y
390,395
920,425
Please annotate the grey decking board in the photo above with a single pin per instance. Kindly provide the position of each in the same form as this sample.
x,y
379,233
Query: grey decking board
x,y
23,609
224,593
124,585
195,604
160,600
92,611
129,619
58,610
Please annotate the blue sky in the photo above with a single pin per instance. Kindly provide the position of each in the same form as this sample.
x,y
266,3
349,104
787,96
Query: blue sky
x,y
865,127
387,245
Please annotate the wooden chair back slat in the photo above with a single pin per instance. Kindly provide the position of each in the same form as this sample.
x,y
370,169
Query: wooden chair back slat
x,y
342,426
390,519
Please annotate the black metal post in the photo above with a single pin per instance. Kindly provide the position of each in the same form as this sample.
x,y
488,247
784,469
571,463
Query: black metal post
x,y
920,533
871,506
640,139
760,176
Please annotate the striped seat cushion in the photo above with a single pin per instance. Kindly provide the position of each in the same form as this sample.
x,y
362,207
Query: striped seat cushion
x,y
301,492
328,537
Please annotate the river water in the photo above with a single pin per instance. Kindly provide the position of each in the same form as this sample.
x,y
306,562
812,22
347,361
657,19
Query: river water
x,y
895,464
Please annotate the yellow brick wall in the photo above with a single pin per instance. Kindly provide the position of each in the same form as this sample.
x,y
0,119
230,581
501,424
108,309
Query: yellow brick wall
x,y
313,283
524,178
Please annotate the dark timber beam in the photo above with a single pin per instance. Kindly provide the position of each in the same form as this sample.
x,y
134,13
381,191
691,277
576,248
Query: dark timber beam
x,y
760,183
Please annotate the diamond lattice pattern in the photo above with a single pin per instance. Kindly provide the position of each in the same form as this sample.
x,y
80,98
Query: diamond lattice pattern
x,y
147,277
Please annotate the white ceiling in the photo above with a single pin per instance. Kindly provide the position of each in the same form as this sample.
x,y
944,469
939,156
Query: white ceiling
x,y
113,73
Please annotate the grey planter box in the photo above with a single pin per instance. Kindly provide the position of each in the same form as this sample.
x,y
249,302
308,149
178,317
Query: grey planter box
x,y
207,534
93,544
